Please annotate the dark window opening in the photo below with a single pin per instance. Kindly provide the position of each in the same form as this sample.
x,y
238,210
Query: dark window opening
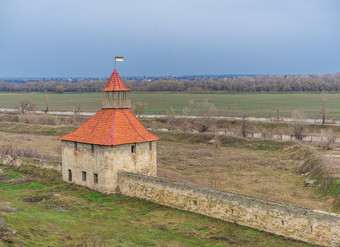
x,y
194,202
311,229
95,178
84,176
75,146
150,145
282,222
92,148
133,149
255,217
69,175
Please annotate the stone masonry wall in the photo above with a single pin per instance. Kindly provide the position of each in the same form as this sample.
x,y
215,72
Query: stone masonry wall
x,y
19,161
261,135
282,219
105,162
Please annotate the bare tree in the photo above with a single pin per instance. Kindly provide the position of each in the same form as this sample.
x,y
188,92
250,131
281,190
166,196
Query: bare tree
x,y
244,125
47,102
298,126
76,118
171,118
277,120
327,138
185,119
323,111
25,106
205,112
139,108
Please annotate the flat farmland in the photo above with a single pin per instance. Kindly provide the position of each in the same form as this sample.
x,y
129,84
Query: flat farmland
x,y
252,105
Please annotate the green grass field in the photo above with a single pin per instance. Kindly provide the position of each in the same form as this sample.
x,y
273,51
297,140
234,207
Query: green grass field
x,y
55,213
255,105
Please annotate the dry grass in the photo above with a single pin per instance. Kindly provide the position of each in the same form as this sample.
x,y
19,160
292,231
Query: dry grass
x,y
26,152
261,173
48,145
39,119
328,130
245,166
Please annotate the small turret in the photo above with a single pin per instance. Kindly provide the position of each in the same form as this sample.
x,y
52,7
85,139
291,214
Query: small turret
x,y
117,89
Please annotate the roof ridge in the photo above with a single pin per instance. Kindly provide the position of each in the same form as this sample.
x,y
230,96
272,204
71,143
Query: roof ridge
x,y
98,121
119,80
133,125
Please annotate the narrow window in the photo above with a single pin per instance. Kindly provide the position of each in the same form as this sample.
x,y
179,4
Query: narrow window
x,y
75,146
282,222
84,176
194,202
69,175
133,149
92,148
95,178
150,145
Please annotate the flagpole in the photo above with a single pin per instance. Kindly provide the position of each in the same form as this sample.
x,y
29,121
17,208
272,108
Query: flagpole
x,y
115,62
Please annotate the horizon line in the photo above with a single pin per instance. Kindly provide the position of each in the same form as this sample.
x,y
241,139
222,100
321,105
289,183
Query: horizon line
x,y
163,76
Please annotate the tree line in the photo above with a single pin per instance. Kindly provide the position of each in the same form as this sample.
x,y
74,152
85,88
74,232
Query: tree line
x,y
259,83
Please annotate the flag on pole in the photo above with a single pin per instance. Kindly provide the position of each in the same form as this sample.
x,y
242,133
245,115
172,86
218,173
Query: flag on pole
x,y
120,59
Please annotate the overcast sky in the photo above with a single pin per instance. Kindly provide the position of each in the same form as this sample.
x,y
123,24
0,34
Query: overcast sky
x,y
168,37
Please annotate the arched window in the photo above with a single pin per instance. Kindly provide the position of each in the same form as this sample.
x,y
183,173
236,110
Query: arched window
x,y
69,175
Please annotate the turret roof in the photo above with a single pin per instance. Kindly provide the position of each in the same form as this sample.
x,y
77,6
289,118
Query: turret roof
x,y
115,83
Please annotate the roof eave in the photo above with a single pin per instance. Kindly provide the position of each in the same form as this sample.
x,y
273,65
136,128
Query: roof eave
x,y
114,90
124,143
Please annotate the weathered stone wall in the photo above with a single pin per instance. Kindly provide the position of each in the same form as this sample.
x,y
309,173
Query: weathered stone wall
x,y
19,161
106,161
283,219
260,135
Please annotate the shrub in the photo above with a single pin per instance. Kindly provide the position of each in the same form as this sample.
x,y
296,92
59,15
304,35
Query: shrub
x,y
26,152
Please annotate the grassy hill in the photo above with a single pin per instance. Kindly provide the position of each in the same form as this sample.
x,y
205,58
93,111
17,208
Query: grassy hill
x,y
43,210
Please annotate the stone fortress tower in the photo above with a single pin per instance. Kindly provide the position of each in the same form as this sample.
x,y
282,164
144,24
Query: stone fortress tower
x,y
112,140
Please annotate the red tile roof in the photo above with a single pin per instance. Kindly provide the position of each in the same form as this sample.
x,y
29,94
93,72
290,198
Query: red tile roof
x,y
115,83
111,127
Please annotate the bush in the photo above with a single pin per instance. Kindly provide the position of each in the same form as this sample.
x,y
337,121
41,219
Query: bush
x,y
38,119
75,120
328,138
298,126
50,120
26,152
29,119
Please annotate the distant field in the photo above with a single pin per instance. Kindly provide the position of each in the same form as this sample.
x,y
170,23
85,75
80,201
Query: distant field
x,y
255,105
